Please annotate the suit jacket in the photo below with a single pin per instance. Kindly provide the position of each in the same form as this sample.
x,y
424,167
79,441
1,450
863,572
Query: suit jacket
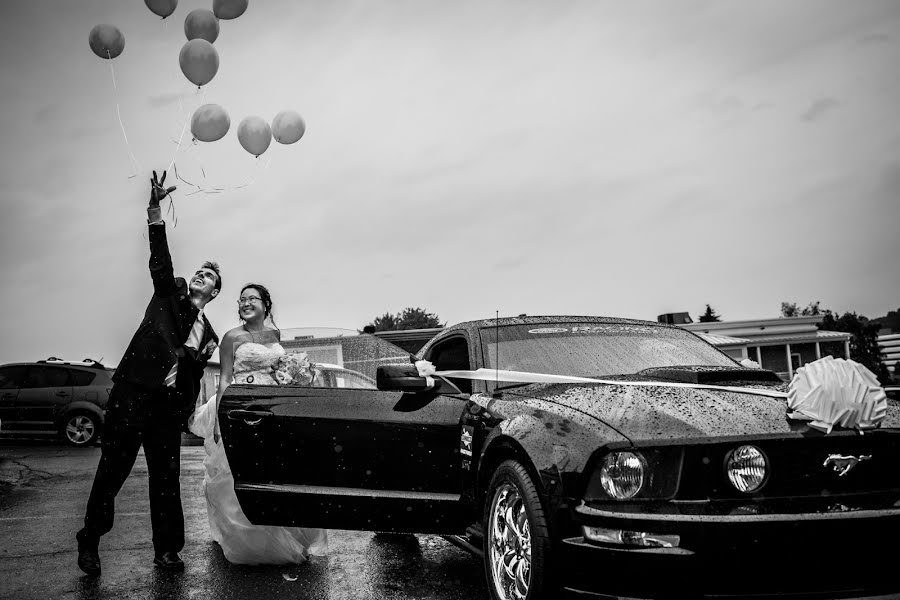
x,y
159,341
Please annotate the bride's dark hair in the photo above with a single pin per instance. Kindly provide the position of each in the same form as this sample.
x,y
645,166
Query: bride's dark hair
x,y
266,298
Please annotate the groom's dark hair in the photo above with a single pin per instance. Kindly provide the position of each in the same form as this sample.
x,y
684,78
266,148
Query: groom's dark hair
x,y
214,266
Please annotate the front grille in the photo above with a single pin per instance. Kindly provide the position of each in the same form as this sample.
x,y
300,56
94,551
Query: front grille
x,y
796,467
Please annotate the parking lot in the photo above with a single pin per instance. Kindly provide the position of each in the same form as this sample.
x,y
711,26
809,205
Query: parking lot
x,y
44,487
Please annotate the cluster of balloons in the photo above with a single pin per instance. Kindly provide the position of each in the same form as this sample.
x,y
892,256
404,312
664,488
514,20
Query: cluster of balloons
x,y
198,58
199,62
210,123
223,9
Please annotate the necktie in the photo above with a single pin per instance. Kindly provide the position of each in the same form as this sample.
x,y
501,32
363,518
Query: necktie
x,y
193,341
196,334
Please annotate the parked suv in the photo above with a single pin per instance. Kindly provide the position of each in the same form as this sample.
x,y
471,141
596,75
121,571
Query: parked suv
x,y
55,396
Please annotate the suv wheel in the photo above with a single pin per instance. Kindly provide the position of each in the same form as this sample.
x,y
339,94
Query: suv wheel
x,y
516,541
80,429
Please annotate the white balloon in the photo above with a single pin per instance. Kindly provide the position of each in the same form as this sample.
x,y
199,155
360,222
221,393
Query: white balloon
x,y
199,61
209,123
254,134
288,127
201,23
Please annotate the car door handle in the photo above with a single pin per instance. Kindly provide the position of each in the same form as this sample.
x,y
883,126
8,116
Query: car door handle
x,y
62,393
250,417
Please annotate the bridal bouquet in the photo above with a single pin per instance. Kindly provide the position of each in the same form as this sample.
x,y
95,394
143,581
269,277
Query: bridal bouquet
x,y
294,368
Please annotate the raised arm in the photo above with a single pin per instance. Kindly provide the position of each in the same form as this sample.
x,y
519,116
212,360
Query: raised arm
x,y
161,270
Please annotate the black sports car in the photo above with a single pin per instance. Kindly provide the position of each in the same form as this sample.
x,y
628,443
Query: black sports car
x,y
680,474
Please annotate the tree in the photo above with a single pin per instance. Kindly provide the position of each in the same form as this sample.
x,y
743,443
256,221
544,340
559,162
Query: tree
x,y
863,343
890,321
709,316
417,318
386,322
812,309
410,318
790,309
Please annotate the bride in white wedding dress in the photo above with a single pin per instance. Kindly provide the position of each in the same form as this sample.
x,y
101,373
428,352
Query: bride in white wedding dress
x,y
247,354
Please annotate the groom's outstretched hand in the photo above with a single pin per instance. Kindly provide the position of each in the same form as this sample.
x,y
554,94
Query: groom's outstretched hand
x,y
157,190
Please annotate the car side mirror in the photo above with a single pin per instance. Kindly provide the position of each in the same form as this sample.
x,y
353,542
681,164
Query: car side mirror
x,y
406,378
400,378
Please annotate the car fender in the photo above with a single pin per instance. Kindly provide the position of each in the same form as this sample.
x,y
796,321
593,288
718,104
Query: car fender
x,y
553,442
84,406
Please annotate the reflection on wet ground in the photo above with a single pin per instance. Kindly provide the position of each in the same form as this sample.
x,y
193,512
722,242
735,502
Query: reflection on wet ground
x,y
42,498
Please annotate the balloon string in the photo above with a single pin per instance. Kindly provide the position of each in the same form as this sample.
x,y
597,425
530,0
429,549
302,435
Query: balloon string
x,y
255,172
135,163
171,211
112,71
178,145
180,137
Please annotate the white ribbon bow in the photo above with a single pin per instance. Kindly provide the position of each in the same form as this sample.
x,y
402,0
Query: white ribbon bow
x,y
426,369
832,391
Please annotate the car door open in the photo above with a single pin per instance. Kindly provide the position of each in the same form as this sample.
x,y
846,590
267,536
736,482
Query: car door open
x,y
344,458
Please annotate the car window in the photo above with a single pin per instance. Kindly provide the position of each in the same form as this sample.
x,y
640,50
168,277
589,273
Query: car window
x,y
41,377
12,377
81,378
348,379
595,349
333,376
452,355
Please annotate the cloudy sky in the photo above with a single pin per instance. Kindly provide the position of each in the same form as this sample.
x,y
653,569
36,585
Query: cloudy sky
x,y
468,157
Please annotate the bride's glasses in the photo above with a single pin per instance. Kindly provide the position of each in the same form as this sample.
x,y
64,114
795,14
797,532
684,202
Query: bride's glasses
x,y
248,300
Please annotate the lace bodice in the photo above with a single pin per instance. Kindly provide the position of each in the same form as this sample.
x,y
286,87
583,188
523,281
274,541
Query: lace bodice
x,y
253,362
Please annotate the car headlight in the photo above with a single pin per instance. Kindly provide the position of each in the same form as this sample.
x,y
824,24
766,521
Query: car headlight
x,y
622,474
747,468
640,474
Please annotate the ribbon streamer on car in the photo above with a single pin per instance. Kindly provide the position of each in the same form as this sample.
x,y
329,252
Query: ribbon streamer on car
x,y
527,377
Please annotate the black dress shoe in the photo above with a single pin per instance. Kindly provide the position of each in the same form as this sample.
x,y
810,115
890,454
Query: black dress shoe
x,y
169,561
88,558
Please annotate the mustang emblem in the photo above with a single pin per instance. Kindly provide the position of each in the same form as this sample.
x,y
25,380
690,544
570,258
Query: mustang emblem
x,y
842,464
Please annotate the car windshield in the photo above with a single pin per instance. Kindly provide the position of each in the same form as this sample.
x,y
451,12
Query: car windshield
x,y
594,350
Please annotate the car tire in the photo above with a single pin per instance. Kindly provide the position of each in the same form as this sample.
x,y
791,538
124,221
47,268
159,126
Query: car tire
x,y
80,428
516,536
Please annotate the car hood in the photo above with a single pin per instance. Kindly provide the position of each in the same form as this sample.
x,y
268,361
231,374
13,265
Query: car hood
x,y
645,413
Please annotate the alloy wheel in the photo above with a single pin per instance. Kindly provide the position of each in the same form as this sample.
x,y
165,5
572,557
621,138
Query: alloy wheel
x,y
80,430
509,544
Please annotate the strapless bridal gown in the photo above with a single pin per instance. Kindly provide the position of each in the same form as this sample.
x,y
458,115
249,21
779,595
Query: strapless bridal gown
x,y
241,541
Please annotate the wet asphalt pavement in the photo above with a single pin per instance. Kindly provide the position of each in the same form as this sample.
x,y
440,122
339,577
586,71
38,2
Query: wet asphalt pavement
x,y
44,488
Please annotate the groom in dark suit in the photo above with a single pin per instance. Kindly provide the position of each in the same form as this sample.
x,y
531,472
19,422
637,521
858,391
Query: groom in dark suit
x,y
154,391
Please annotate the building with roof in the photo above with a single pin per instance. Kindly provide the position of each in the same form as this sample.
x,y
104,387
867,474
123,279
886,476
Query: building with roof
x,y
890,352
782,344
362,353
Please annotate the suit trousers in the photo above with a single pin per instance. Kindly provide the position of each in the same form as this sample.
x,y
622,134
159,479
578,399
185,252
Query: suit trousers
x,y
137,416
